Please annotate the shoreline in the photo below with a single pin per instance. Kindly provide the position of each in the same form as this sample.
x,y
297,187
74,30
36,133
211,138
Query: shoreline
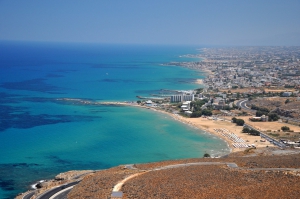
x,y
208,125
176,117
185,121
199,81
203,124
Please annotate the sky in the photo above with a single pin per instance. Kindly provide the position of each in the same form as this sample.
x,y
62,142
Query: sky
x,y
199,22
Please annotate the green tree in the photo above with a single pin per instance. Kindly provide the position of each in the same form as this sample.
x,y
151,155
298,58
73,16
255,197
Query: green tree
x,y
196,114
260,113
197,104
206,155
273,117
285,128
206,112
246,130
254,132
240,122
233,120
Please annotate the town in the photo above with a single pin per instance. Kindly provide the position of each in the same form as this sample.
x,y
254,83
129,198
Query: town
x,y
258,84
250,98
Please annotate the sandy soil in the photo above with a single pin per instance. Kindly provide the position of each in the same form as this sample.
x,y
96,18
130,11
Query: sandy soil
x,y
273,126
243,90
278,90
209,125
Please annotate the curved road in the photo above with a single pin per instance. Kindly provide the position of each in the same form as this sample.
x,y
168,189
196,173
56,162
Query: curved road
x,y
62,191
62,194
243,105
55,190
29,195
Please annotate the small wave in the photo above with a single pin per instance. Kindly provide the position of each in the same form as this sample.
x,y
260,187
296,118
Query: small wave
x,y
33,186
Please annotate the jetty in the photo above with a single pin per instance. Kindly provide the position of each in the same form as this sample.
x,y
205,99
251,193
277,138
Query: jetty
x,y
151,98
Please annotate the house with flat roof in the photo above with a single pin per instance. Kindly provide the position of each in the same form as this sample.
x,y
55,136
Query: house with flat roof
x,y
186,106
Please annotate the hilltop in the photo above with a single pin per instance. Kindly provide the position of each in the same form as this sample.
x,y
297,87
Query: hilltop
x,y
253,173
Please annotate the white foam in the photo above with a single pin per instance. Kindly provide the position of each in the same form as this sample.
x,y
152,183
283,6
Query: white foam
x,y
34,185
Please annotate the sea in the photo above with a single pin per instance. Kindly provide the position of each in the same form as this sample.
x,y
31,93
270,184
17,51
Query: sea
x,y
44,131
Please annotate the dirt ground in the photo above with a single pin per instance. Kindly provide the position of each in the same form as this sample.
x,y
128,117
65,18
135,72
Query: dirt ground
x,y
275,128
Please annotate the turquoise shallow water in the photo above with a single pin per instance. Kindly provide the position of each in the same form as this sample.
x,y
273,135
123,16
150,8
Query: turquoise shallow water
x,y
41,136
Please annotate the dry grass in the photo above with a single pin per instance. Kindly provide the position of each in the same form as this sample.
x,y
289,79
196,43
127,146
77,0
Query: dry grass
x,y
275,128
100,184
202,181
212,182
292,108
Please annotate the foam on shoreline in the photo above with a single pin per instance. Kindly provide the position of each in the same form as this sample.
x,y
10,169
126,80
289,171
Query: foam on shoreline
x,y
34,186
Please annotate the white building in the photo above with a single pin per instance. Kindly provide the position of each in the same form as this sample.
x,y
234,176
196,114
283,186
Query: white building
x,y
186,106
149,103
182,98
176,98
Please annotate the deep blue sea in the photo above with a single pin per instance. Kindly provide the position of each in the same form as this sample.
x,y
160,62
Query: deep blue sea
x,y
41,136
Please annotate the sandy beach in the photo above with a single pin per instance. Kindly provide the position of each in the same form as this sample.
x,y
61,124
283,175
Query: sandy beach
x,y
115,176
213,126
236,140
199,81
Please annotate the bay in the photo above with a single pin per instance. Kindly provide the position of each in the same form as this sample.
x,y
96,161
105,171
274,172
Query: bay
x,y
41,136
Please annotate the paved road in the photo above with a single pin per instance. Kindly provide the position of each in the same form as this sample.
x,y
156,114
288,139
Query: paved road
x,y
275,142
265,136
29,195
243,104
62,194
55,190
